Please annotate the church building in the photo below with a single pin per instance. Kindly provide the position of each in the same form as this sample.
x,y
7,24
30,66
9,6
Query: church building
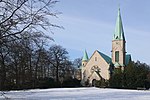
x,y
100,66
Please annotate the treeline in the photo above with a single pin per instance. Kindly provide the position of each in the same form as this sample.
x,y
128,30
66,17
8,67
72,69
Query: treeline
x,y
24,65
136,75
26,58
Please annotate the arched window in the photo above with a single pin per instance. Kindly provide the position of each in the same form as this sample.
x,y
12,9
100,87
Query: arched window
x,y
117,56
95,58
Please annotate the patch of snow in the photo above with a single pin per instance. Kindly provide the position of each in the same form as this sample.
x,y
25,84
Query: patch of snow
x,y
90,93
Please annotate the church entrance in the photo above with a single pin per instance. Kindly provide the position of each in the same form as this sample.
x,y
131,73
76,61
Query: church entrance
x,y
94,82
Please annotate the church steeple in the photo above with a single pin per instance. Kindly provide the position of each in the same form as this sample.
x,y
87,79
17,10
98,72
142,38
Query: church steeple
x,y
85,58
118,43
119,33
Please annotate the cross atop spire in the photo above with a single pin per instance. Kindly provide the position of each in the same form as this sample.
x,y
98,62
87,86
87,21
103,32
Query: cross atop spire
x,y
119,33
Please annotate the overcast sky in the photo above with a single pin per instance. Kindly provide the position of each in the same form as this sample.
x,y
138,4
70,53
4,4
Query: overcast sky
x,y
90,24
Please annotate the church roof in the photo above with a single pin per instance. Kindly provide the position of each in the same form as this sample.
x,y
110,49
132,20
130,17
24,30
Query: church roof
x,y
85,56
127,59
109,60
119,33
117,64
106,58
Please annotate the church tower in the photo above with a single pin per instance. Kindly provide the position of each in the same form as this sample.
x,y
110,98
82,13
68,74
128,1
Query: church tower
x,y
118,44
85,59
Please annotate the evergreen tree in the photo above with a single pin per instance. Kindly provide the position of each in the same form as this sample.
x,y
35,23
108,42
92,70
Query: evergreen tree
x,y
116,79
134,76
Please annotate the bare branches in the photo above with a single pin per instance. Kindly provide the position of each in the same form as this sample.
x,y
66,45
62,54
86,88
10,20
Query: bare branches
x,y
17,32
58,58
18,16
23,24
13,11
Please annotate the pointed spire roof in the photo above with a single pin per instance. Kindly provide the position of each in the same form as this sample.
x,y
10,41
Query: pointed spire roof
x,y
85,56
119,33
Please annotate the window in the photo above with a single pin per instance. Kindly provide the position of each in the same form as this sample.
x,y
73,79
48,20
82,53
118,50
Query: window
x,y
95,58
117,37
117,56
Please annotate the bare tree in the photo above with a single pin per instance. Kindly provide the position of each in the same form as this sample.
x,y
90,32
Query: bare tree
x,y
77,62
57,57
19,16
23,24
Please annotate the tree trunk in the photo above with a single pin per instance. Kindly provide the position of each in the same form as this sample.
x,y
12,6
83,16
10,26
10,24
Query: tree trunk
x,y
57,74
3,74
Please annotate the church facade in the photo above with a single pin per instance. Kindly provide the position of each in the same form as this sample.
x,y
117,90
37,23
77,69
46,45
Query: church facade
x,y
100,66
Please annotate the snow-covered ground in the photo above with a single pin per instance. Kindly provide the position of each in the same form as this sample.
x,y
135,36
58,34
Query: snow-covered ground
x,y
78,94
